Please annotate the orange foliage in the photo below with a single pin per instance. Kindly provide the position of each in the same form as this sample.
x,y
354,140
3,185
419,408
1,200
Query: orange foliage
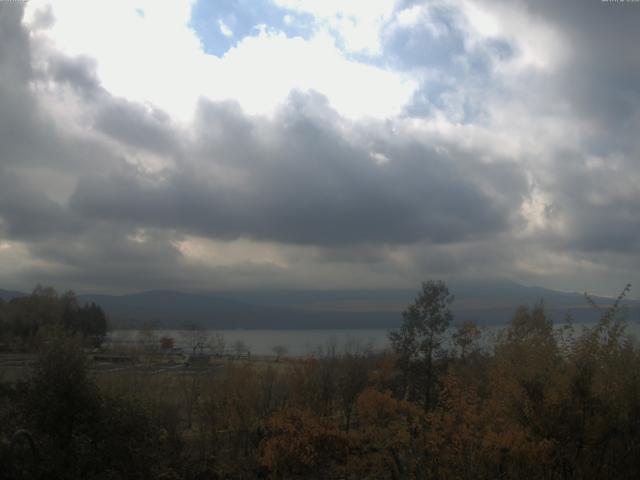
x,y
298,442
388,441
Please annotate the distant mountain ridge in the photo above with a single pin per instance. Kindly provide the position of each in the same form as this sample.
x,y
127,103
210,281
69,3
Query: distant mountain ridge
x,y
7,295
488,302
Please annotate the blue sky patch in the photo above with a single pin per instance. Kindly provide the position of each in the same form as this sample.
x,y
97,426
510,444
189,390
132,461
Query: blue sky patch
x,y
222,24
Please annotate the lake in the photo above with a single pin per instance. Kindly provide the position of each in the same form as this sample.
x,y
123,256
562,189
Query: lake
x,y
301,342
262,342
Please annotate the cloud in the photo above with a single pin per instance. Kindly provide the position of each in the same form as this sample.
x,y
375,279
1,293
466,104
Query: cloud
x,y
158,59
79,73
356,24
301,180
138,126
590,174
360,148
26,213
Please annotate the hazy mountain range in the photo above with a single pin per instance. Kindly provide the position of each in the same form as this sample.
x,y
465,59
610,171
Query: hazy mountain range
x,y
487,302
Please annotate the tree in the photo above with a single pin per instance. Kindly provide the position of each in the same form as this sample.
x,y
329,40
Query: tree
x,y
93,323
28,314
167,343
217,343
191,385
240,347
280,351
466,338
25,316
4,321
147,336
301,444
79,432
388,442
418,340
352,377
196,338
62,401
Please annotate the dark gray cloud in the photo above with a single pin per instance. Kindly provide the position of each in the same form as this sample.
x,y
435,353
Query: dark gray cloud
x,y
115,248
304,182
602,75
137,126
79,73
599,202
114,258
598,82
595,184
130,123
29,134
18,114
27,214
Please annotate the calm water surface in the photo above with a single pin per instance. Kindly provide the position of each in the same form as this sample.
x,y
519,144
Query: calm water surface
x,y
262,342
301,342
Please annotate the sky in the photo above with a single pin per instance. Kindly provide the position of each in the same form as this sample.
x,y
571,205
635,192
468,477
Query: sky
x,y
220,145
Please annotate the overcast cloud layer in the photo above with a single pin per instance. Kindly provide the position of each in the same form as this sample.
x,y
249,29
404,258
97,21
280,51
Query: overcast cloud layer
x,y
290,143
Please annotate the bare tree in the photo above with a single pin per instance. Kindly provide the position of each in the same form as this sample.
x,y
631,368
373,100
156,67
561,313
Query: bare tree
x,y
195,338
191,383
147,336
217,343
240,347
280,351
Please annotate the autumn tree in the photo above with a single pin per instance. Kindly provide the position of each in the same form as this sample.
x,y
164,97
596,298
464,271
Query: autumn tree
x,y
418,341
454,439
352,377
599,421
389,440
300,444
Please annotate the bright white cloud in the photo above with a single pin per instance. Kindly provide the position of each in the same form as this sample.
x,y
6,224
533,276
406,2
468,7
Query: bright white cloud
x,y
152,58
158,59
263,70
